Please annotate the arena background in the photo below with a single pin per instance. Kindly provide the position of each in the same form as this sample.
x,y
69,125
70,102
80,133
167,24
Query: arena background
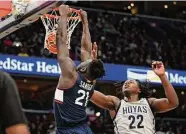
x,y
129,36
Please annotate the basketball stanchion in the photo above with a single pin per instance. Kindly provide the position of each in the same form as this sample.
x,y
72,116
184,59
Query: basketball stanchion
x,y
15,14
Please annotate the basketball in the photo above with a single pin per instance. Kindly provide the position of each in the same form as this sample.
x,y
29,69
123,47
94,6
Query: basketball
x,y
51,43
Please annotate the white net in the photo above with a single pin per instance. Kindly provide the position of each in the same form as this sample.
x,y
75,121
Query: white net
x,y
50,22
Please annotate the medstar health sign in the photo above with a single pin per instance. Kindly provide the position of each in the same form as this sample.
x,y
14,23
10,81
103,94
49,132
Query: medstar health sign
x,y
27,65
114,72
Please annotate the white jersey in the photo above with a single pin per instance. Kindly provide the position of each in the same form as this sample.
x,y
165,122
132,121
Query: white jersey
x,y
134,118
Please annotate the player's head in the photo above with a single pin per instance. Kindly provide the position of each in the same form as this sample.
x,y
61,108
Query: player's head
x,y
135,87
92,69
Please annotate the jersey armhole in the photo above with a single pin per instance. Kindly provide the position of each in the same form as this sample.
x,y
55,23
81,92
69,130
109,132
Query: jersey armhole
x,y
91,93
73,83
116,110
150,104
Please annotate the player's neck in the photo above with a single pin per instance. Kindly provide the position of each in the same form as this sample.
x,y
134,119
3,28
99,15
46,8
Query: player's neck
x,y
133,98
87,78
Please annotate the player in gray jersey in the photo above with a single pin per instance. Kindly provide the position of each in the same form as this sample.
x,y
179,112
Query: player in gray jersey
x,y
133,114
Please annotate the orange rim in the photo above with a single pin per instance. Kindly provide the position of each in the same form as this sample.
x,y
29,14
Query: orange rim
x,y
56,17
70,9
57,9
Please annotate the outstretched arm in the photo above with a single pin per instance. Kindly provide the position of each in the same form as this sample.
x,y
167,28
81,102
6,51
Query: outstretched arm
x,y
105,101
164,104
66,64
86,44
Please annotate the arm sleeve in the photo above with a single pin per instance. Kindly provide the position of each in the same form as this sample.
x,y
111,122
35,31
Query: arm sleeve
x,y
10,106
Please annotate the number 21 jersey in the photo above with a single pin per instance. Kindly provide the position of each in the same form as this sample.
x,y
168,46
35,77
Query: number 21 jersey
x,y
70,104
134,118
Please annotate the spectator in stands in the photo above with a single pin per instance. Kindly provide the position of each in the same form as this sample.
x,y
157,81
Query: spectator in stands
x,y
121,38
12,118
23,52
160,131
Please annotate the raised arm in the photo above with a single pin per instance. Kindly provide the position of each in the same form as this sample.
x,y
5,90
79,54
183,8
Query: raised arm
x,y
66,64
86,44
164,104
105,101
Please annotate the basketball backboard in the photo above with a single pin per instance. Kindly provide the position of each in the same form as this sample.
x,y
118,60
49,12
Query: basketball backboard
x,y
34,10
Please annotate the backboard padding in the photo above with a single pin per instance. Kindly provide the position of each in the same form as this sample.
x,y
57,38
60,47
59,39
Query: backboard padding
x,y
11,24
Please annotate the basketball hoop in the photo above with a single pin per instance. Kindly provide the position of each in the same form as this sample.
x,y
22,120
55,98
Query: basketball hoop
x,y
50,22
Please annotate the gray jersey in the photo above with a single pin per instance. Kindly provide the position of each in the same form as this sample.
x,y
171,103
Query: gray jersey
x,y
134,118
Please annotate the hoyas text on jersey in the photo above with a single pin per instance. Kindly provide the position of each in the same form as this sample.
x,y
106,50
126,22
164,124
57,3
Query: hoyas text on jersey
x,y
134,109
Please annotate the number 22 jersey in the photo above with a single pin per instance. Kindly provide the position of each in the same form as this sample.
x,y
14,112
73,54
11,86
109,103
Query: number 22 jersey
x,y
134,118
70,104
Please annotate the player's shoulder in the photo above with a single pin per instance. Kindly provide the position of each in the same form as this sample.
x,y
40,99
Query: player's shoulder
x,y
115,99
151,100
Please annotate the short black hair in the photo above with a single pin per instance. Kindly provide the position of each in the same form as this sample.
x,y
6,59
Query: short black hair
x,y
96,69
146,92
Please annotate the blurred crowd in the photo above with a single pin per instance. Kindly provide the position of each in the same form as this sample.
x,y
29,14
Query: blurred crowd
x,y
121,39
170,127
40,123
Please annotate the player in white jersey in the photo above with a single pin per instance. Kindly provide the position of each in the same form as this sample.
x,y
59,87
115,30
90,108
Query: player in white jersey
x,y
132,114
134,117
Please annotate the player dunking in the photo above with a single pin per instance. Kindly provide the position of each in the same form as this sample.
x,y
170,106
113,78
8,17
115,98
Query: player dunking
x,y
75,86
133,115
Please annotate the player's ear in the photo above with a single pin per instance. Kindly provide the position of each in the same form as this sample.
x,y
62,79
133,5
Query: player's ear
x,y
83,70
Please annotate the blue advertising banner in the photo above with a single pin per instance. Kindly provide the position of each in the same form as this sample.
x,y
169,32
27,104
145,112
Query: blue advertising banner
x,y
50,67
29,65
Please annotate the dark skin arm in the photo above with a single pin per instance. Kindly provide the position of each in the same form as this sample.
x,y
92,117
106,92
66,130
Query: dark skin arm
x,y
90,52
105,101
164,104
66,64
86,44
108,102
